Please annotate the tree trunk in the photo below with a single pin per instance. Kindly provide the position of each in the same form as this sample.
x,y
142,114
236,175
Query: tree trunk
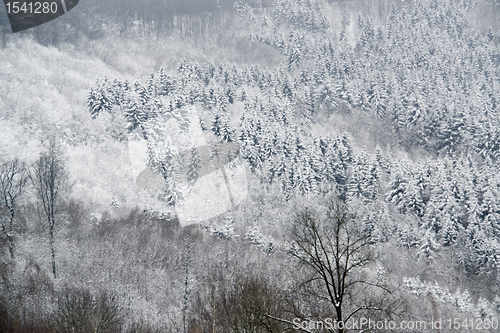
x,y
52,246
12,213
10,241
11,246
213,311
9,236
339,319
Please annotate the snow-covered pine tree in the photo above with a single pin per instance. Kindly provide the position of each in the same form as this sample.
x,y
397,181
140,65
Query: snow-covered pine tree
x,y
166,85
489,203
226,132
167,162
444,206
317,162
217,125
278,167
354,189
118,92
309,105
135,116
243,95
397,190
286,89
414,200
194,165
369,183
147,92
302,178
99,99
428,246
450,230
473,256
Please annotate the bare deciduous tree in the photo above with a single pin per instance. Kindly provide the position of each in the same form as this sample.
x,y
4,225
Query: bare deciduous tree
x,y
82,312
13,177
48,176
250,304
334,251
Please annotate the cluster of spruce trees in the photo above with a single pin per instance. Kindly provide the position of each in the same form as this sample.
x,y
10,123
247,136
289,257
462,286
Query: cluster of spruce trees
x,y
426,74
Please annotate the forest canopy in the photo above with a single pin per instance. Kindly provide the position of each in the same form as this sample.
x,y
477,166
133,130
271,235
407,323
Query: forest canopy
x,y
390,107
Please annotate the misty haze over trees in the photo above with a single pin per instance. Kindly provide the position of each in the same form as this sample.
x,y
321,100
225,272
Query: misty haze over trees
x,y
370,135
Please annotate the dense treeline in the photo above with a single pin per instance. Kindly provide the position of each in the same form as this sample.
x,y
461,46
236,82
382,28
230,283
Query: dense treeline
x,y
422,84
96,19
140,272
454,198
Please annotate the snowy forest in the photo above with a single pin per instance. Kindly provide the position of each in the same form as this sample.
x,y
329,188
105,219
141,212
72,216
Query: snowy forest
x,y
359,143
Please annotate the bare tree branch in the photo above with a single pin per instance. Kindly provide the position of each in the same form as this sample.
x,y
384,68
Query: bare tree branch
x,y
13,177
48,177
287,322
334,250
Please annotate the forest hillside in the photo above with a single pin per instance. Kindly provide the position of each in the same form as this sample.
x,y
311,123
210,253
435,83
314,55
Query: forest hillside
x,y
179,167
